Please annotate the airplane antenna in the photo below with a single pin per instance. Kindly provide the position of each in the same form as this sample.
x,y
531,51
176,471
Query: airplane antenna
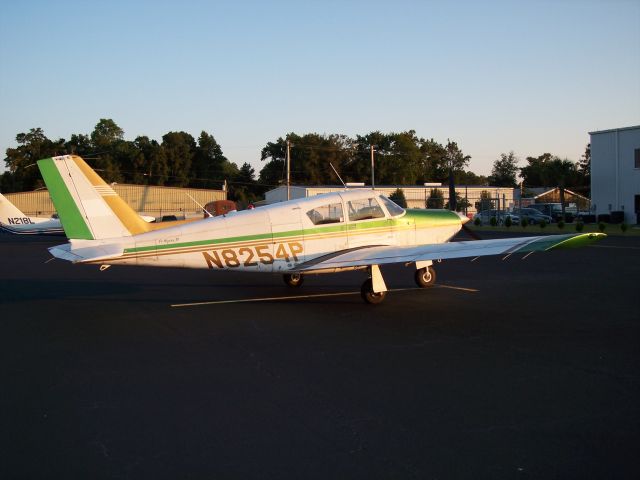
x,y
338,175
203,209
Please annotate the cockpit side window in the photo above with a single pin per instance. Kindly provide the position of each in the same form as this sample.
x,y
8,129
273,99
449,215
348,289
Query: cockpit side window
x,y
364,209
331,213
393,208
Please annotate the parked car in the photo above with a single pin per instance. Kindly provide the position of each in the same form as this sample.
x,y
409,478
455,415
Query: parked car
x,y
514,216
533,215
554,210
485,216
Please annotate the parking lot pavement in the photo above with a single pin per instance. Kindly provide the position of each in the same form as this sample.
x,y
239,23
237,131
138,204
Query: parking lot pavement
x,y
512,369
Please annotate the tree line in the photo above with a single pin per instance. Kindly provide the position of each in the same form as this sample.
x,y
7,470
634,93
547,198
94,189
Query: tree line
x,y
181,160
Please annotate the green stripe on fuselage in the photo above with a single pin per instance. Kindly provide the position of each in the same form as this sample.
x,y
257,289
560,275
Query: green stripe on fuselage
x,y
432,218
342,228
72,220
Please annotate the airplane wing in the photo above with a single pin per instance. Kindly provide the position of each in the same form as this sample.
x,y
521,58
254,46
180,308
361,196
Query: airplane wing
x,y
380,255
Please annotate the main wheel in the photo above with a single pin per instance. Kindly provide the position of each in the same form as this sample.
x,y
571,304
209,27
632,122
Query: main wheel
x,y
293,279
425,277
369,296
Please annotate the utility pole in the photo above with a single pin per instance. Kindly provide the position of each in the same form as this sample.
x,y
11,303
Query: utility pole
x,y
288,170
373,185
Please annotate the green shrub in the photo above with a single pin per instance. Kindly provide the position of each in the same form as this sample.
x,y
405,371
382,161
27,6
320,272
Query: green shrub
x,y
579,226
507,222
477,222
524,222
602,226
560,224
624,227
543,224
399,198
493,221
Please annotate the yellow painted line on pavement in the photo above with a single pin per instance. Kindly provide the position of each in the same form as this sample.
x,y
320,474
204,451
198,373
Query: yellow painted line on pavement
x,y
315,295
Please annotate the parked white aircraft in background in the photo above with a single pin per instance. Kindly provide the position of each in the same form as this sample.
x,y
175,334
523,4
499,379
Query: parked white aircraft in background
x,y
350,230
12,220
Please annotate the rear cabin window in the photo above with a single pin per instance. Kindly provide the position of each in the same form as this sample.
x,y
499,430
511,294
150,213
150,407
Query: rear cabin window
x,y
331,213
364,209
394,208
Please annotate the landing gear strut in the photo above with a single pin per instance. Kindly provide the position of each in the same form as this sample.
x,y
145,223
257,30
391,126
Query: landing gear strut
x,y
374,290
293,280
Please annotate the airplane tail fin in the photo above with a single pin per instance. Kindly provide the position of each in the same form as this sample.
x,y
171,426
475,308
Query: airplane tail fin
x,y
88,207
8,210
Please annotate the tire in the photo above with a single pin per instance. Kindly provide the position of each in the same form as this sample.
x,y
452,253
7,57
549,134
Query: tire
x,y
369,296
425,277
293,280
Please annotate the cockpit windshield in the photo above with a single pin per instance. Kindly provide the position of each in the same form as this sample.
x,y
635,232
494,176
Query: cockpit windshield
x,y
394,208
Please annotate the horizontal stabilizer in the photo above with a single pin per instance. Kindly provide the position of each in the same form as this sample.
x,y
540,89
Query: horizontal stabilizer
x,y
80,252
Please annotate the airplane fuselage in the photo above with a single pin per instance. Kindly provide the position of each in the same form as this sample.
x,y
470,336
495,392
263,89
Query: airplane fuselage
x,y
279,237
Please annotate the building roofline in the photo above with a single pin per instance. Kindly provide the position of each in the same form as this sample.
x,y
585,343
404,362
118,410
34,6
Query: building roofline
x,y
614,130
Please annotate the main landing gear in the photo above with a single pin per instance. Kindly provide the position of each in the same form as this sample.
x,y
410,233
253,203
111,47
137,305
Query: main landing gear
x,y
293,280
374,290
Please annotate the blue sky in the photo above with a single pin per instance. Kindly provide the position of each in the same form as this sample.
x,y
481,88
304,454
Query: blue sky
x,y
531,77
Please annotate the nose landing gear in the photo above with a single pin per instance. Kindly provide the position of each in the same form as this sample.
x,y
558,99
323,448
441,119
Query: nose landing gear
x,y
293,280
425,277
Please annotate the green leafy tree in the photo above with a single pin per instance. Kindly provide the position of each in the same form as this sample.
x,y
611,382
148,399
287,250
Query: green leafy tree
x,y
21,161
561,174
105,140
130,161
155,167
470,178
434,168
584,170
179,148
79,144
105,134
504,171
456,159
533,174
244,189
208,166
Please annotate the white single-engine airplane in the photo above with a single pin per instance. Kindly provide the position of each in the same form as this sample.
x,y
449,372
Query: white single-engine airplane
x,y
12,220
333,232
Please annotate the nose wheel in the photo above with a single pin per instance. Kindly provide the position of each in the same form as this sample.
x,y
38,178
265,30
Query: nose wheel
x,y
425,277
293,280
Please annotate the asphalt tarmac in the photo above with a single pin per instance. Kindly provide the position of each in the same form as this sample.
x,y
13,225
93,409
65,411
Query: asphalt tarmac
x,y
508,369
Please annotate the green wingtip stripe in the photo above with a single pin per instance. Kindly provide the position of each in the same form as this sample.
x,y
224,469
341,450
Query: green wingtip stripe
x,y
562,241
72,220
580,240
